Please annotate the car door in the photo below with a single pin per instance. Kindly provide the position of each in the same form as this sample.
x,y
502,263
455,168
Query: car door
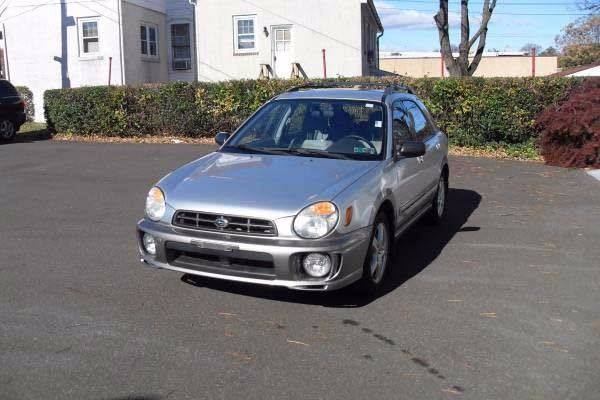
x,y
425,132
407,170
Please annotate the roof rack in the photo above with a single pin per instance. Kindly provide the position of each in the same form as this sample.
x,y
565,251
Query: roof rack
x,y
389,88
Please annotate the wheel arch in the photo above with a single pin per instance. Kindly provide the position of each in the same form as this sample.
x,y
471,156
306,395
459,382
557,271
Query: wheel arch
x,y
446,172
388,209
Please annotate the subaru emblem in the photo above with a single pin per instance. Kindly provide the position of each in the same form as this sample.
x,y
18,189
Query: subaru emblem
x,y
221,222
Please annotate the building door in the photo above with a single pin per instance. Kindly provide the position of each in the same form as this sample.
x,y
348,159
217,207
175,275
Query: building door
x,y
283,51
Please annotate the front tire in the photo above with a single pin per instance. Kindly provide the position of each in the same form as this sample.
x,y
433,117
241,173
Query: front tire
x,y
7,130
376,262
439,203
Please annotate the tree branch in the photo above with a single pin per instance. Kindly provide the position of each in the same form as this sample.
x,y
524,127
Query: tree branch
x,y
486,15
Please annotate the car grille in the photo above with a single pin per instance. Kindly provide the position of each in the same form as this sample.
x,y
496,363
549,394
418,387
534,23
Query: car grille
x,y
224,223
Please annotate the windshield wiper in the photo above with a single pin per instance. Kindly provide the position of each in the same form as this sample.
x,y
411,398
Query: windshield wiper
x,y
320,153
262,150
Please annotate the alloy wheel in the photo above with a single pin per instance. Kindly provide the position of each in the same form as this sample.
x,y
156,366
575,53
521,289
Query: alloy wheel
x,y
441,197
7,129
379,252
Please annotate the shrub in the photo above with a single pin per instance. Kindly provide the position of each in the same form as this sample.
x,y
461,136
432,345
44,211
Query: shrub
x,y
474,111
570,130
27,95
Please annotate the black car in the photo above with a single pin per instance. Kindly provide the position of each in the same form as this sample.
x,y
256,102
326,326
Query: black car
x,y
12,110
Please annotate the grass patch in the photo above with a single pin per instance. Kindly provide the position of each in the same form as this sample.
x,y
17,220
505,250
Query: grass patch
x,y
32,127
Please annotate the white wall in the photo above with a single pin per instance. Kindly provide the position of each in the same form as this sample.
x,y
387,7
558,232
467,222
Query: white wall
x,y
155,5
34,48
181,12
334,25
140,68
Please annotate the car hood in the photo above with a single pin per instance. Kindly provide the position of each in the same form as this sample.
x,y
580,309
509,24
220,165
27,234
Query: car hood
x,y
256,185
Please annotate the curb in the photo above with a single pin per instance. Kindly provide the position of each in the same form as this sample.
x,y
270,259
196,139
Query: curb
x,y
594,173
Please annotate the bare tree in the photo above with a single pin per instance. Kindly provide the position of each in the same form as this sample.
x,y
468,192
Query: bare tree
x,y
460,66
589,5
528,46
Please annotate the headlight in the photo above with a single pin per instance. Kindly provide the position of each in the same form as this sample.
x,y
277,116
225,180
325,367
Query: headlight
x,y
155,204
316,221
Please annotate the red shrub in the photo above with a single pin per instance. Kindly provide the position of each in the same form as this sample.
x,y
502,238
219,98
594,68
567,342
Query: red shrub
x,y
570,130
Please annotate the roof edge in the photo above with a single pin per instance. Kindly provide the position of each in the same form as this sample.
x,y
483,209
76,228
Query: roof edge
x,y
376,15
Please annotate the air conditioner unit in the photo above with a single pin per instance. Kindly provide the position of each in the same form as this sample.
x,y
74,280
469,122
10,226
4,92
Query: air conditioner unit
x,y
181,65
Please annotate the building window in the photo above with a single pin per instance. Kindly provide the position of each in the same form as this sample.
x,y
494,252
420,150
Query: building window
x,y
149,40
244,34
89,40
181,44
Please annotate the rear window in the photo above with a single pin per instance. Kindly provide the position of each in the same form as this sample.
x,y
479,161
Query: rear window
x,y
7,89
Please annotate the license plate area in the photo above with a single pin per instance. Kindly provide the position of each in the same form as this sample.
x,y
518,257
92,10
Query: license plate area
x,y
218,258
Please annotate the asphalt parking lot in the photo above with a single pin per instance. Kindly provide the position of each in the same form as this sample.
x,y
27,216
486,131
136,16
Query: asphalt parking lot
x,y
502,302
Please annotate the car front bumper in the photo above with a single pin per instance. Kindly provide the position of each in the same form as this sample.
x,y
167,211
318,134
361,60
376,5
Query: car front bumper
x,y
271,261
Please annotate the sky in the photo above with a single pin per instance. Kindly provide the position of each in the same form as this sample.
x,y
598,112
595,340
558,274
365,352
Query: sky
x,y
409,24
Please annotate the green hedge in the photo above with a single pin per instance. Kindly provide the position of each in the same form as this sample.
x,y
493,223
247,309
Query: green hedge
x,y
27,95
473,112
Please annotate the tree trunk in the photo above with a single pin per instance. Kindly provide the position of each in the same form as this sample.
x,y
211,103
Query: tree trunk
x,y
460,66
441,20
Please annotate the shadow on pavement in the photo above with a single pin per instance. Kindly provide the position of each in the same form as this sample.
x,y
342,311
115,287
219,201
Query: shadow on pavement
x,y
413,252
36,135
137,397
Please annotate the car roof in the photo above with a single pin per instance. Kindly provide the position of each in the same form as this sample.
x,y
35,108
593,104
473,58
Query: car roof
x,y
374,95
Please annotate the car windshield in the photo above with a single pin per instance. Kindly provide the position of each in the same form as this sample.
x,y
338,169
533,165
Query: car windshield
x,y
341,129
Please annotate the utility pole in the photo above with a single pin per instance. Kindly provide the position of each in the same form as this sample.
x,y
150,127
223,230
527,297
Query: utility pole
x,y
194,4
533,54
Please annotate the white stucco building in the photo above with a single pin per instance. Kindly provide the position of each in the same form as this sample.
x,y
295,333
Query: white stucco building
x,y
72,43
237,37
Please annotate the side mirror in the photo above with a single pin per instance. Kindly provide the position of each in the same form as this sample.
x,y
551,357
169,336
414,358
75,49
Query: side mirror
x,y
221,138
412,149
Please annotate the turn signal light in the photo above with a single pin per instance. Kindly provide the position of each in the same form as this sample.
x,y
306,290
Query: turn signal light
x,y
323,208
349,212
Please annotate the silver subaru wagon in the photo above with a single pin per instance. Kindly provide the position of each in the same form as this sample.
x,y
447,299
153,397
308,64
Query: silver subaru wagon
x,y
309,193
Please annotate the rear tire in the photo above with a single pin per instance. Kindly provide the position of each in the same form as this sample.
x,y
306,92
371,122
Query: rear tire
x,y
439,203
375,266
8,130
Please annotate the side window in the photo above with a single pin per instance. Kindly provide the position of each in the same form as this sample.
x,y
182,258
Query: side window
x,y
401,125
149,40
421,127
89,38
244,34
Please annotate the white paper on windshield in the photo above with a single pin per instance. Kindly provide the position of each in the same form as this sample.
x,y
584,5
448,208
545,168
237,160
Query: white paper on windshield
x,y
378,124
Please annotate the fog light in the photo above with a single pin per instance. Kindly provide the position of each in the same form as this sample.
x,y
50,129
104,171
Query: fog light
x,y
317,265
150,244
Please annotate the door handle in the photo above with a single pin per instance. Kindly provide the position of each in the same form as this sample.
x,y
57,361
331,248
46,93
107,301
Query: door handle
x,y
438,146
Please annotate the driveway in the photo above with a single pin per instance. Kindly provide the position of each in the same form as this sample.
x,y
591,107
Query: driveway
x,y
502,302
